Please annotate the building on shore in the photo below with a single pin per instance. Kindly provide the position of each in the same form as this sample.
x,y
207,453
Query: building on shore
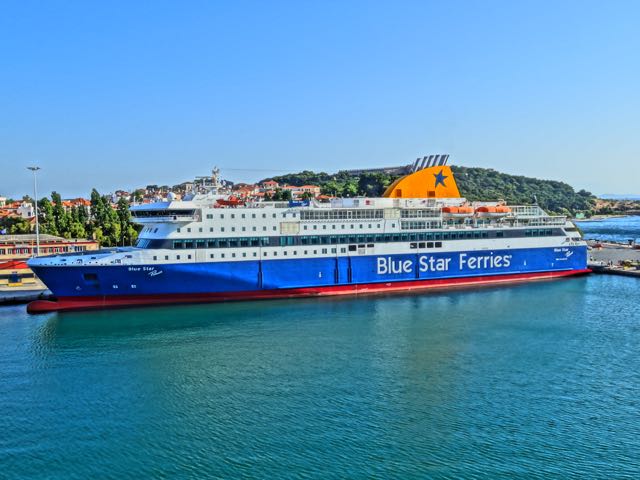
x,y
15,250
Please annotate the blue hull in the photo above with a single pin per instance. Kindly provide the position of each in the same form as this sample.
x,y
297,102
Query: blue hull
x,y
269,275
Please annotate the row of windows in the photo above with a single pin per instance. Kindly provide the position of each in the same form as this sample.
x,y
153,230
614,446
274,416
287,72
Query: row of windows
x,y
247,215
420,213
305,240
284,253
538,232
419,225
304,227
338,239
30,250
231,229
341,214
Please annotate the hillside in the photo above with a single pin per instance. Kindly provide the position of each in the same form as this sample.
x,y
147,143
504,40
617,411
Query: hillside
x,y
474,184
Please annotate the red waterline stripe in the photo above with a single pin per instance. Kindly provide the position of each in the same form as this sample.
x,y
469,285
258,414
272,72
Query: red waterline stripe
x,y
85,303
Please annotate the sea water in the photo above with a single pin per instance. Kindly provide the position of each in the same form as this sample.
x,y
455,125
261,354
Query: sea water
x,y
619,229
533,381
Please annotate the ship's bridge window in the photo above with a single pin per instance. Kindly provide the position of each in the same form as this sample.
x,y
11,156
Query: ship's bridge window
x,y
162,213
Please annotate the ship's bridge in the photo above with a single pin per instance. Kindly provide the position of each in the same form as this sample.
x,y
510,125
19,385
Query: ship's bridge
x,y
166,212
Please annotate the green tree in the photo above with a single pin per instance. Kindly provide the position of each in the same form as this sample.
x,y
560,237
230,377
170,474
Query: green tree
x,y
46,219
15,225
61,217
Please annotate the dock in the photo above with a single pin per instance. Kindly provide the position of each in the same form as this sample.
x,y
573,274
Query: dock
x,y
614,259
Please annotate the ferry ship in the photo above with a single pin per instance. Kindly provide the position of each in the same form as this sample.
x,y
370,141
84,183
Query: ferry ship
x,y
421,234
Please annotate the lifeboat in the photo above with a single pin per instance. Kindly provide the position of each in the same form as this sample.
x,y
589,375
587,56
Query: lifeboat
x,y
232,201
493,212
457,212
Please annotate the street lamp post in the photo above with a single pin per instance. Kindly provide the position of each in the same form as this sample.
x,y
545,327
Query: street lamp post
x,y
35,201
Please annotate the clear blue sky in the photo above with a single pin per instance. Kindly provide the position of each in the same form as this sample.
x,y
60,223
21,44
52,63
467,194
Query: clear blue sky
x,y
121,94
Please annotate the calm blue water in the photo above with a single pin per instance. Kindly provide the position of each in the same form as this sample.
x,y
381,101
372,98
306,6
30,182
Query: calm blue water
x,y
533,381
617,229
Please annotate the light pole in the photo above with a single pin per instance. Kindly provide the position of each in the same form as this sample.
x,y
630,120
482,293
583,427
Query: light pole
x,y
35,201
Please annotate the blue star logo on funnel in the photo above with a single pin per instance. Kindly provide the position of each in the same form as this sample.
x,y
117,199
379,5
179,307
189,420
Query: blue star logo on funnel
x,y
440,178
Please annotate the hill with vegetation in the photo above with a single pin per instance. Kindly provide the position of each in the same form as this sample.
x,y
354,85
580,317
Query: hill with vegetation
x,y
475,184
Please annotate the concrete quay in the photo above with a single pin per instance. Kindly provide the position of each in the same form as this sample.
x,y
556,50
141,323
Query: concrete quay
x,y
614,259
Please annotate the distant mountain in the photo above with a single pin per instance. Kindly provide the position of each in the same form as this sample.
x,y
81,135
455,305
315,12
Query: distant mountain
x,y
624,196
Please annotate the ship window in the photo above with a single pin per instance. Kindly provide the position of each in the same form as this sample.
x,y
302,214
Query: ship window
x,y
255,254
264,215
188,229
369,245
166,257
254,229
177,257
188,244
210,229
233,215
334,250
274,215
413,245
253,215
244,254
438,244
233,229
275,254
274,228
295,252
244,229
429,244
233,255
243,215
352,248
209,216
211,255
155,257
264,229
343,250
499,234
222,255
155,230
222,215
222,229
200,229
284,253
